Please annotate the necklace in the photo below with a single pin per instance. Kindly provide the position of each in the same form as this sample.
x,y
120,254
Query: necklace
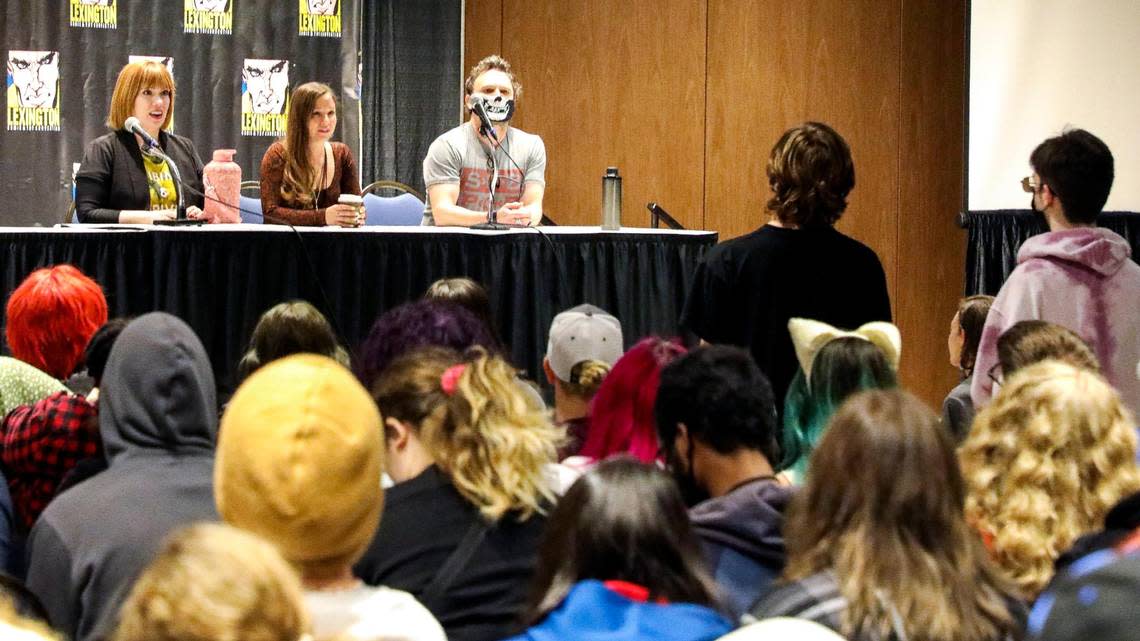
x,y
321,183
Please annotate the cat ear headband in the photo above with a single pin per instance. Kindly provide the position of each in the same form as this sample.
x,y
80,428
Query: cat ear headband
x,y
809,336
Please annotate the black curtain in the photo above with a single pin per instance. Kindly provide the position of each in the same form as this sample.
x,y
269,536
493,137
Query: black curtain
x,y
411,78
994,237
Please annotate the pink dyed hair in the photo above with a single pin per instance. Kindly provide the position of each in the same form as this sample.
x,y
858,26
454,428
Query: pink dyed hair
x,y
52,315
621,414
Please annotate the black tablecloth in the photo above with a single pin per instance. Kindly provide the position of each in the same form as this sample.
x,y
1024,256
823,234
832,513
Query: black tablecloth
x,y
221,278
995,236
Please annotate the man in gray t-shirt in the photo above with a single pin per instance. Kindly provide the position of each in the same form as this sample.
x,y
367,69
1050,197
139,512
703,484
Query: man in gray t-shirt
x,y
464,166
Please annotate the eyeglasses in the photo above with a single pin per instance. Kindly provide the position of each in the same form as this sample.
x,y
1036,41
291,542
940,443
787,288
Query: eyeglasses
x,y
994,378
1029,186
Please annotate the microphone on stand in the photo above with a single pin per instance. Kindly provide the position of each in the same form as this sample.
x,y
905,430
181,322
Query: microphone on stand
x,y
479,108
152,148
133,125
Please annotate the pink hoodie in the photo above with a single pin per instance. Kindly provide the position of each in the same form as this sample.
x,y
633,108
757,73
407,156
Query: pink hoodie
x,y
1083,279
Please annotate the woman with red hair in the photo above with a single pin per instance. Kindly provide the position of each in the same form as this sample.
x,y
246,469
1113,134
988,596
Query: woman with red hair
x,y
52,315
621,415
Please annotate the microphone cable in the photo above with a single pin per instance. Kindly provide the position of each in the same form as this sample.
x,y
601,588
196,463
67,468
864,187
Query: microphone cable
x,y
333,318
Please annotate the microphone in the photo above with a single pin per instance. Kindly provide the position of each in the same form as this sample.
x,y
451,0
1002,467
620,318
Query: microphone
x,y
133,125
479,108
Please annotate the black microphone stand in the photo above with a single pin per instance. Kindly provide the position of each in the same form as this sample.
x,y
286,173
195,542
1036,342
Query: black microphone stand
x,y
492,215
180,217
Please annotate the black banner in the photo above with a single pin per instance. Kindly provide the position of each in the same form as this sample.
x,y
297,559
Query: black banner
x,y
234,64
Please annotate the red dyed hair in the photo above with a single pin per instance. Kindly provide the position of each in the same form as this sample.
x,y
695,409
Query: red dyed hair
x,y
621,414
52,315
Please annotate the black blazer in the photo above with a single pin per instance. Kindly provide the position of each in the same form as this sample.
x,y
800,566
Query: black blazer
x,y
111,177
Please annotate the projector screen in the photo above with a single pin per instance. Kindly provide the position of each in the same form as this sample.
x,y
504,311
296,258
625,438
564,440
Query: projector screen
x,y
1038,67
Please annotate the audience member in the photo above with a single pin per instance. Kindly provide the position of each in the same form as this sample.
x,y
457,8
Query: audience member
x,y
717,422
583,345
1044,463
468,294
469,453
834,364
212,582
965,332
1096,599
1033,341
620,561
158,420
1119,525
23,384
54,443
290,328
98,350
877,544
1077,275
51,317
20,384
783,629
16,627
621,414
419,324
796,265
299,462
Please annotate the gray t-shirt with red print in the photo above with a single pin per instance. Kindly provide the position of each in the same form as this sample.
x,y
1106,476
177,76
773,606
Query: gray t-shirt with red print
x,y
458,157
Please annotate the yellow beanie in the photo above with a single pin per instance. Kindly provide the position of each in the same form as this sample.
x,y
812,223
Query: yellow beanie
x,y
299,461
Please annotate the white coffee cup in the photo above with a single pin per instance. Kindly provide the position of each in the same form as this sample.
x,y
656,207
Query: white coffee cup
x,y
357,202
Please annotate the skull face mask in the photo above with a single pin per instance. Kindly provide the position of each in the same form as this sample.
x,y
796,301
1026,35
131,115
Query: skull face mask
x,y
499,108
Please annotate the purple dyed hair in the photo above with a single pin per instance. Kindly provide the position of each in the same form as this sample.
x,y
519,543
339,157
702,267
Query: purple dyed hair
x,y
418,324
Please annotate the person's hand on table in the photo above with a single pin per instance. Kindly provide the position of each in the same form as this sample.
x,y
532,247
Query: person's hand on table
x,y
343,215
513,213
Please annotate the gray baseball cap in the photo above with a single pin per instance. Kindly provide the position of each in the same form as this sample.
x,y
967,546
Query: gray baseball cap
x,y
583,333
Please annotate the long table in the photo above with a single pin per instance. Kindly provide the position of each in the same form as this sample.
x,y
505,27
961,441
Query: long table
x,y
220,278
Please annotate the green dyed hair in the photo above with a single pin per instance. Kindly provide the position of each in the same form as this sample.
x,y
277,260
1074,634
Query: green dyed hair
x,y
841,368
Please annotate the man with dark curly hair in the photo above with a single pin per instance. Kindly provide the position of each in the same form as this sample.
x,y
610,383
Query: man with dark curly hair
x,y
795,265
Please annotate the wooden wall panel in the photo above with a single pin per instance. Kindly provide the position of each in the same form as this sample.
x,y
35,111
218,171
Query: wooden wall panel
x,y
482,30
932,249
772,65
613,83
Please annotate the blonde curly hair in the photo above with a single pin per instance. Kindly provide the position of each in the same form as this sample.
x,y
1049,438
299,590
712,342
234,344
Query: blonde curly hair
x,y
1044,462
490,438
213,582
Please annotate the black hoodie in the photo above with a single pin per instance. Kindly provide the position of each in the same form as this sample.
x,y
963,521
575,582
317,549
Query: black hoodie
x,y
158,418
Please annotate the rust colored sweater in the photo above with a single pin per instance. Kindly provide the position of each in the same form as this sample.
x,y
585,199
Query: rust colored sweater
x,y
279,211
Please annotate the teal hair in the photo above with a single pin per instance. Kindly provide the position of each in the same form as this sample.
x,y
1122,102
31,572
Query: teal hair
x,y
842,367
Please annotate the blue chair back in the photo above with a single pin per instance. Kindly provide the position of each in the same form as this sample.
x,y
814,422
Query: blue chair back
x,y
248,205
404,210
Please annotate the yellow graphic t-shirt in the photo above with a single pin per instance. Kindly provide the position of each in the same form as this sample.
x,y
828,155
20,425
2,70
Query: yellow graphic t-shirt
x,y
162,194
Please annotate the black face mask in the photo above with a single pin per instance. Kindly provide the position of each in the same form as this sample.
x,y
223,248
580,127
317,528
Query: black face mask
x,y
1038,215
691,491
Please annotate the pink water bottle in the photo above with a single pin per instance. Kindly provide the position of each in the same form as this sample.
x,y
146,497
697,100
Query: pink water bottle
x,y
222,178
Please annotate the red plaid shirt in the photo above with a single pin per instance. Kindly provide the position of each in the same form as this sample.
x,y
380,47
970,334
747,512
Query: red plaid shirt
x,y
42,442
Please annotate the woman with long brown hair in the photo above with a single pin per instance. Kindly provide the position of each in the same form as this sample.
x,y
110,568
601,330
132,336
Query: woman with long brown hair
x,y
303,177
620,561
878,547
